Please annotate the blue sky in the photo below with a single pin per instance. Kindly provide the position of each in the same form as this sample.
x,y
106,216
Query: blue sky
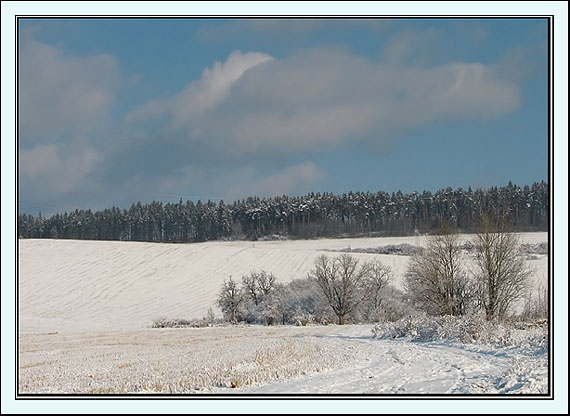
x,y
116,111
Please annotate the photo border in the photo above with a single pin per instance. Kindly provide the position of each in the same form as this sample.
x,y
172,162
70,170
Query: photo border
x,y
326,397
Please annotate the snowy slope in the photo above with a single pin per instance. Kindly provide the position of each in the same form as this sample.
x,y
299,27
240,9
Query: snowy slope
x,y
71,285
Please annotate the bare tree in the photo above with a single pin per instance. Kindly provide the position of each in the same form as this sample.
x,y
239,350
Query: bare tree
x,y
259,288
435,279
277,308
380,277
373,307
249,285
229,300
502,273
266,282
345,285
258,285
536,303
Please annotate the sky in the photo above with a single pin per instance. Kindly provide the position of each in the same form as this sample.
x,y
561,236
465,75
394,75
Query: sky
x,y
115,111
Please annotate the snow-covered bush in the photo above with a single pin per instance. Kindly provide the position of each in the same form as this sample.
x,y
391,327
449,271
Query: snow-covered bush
x,y
536,303
303,317
260,300
230,300
259,295
466,329
403,249
208,320
391,305
179,323
532,336
538,248
306,304
210,316
163,322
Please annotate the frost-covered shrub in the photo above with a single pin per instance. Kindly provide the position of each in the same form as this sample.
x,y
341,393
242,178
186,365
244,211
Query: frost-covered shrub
x,y
466,329
303,317
211,316
391,305
274,237
536,304
305,303
403,249
230,300
260,300
173,323
474,328
539,248
208,320
265,313
468,246
532,336
250,312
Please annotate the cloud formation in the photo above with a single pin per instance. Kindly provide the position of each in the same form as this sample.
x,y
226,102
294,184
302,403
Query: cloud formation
x,y
60,94
252,123
299,178
64,107
53,169
321,98
202,94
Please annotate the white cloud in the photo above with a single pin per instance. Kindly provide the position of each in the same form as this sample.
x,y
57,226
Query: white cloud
x,y
64,105
203,94
227,182
320,98
294,177
62,94
38,161
55,168
299,178
247,114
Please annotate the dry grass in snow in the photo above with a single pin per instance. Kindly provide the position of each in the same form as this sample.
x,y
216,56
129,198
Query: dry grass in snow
x,y
176,360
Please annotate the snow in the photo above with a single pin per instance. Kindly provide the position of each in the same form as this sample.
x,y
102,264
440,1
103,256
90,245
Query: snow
x,y
401,367
85,309
72,284
258,360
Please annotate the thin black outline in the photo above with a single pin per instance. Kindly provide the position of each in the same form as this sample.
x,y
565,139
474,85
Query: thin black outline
x,y
289,396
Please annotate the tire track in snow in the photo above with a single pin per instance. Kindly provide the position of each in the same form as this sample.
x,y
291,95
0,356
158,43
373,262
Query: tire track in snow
x,y
398,367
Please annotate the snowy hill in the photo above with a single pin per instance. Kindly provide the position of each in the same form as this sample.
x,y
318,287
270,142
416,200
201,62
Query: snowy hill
x,y
72,285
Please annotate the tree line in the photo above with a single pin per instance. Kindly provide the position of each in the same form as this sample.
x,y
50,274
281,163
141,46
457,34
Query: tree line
x,y
311,216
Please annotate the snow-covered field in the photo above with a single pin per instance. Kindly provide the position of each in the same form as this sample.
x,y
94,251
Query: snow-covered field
x,y
85,308
272,361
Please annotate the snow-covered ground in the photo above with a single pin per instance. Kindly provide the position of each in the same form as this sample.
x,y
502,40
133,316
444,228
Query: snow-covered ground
x,y
387,367
272,361
108,285
85,308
